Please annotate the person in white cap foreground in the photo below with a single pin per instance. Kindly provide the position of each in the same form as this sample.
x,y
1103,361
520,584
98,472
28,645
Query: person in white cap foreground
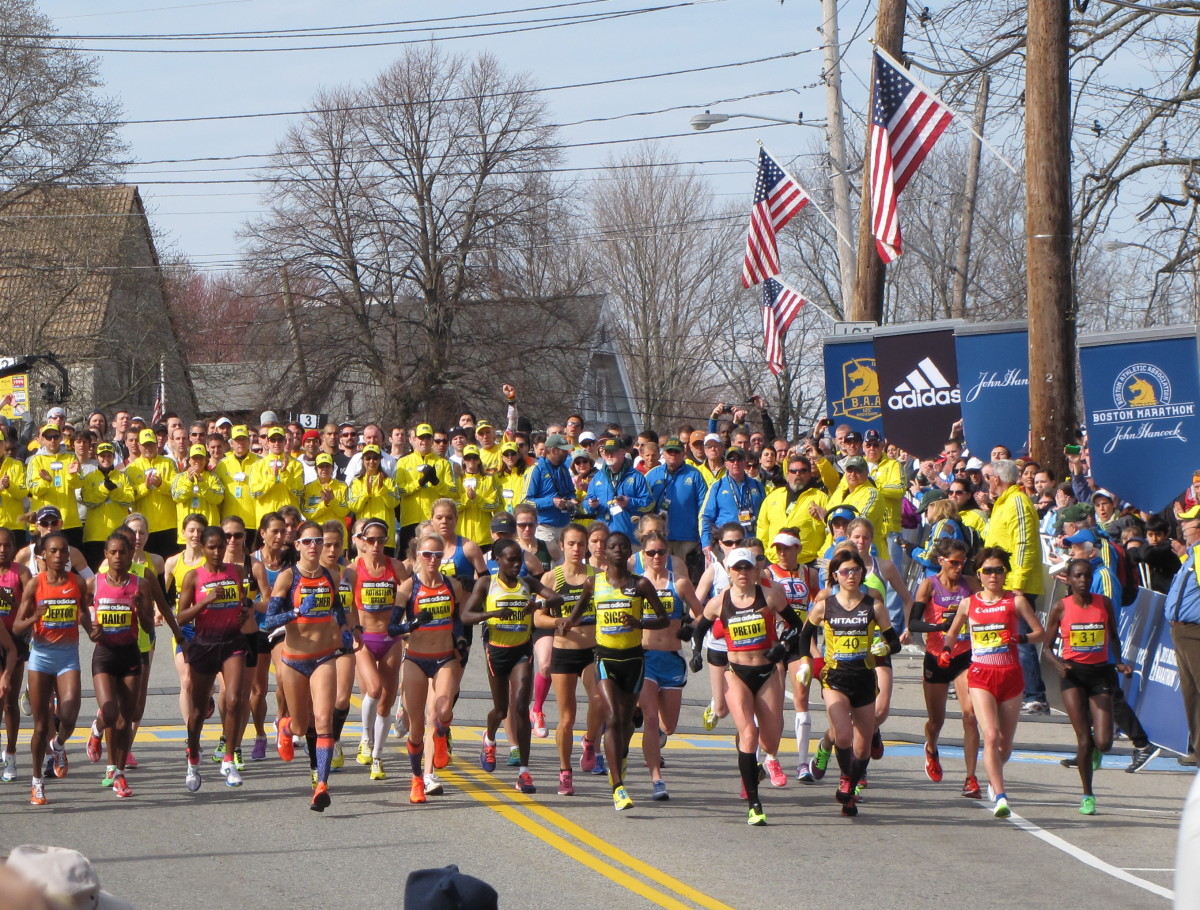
x,y
67,878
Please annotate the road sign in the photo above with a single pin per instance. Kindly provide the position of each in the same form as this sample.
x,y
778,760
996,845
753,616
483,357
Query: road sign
x,y
854,328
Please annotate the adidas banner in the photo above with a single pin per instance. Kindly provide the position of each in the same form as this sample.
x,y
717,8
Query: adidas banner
x,y
918,384
994,376
851,384
1139,393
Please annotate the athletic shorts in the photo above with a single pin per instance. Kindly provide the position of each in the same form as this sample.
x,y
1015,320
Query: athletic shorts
x,y
1004,683
1093,679
943,676
624,666
306,664
117,660
501,661
208,657
189,635
666,669
539,634
53,660
718,658
22,646
378,643
755,677
572,661
857,685
429,664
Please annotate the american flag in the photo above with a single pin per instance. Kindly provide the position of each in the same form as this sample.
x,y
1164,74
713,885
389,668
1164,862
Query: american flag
x,y
780,306
777,197
906,121
160,400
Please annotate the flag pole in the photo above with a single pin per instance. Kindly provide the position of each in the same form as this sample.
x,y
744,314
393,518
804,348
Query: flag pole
x,y
811,303
955,114
806,193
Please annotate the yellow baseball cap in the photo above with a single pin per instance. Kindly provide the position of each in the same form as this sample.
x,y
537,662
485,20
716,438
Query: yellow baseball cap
x,y
105,447
147,435
324,458
276,433
198,451
239,432
371,450
469,451
424,429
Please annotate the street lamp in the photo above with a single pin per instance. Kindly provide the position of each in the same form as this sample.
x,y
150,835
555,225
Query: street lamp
x,y
708,118
1111,246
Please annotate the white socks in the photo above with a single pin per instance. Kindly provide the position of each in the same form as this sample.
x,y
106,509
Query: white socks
x,y
803,734
368,718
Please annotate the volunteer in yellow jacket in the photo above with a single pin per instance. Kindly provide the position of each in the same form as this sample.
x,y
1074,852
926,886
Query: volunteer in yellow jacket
x,y
373,495
434,477
889,481
277,479
108,496
489,449
150,475
478,499
326,498
233,470
198,491
798,504
858,490
12,494
52,477
513,477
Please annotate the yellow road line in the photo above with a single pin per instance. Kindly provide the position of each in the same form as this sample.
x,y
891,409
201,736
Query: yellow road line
x,y
609,850
608,870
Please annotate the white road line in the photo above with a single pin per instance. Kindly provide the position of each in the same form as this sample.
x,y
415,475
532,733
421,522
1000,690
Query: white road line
x,y
1138,869
1086,858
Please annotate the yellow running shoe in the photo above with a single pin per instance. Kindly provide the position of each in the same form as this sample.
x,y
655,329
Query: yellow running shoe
x,y
621,800
377,769
364,753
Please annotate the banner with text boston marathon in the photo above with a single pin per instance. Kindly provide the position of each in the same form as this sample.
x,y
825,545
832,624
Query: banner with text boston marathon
x,y
851,382
1139,392
918,383
993,372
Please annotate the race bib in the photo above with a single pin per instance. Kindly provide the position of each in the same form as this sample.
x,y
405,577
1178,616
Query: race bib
x,y
747,633
848,647
991,638
1089,637
612,621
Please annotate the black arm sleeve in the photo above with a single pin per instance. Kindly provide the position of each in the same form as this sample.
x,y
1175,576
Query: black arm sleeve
x,y
893,640
699,631
807,634
916,619
791,617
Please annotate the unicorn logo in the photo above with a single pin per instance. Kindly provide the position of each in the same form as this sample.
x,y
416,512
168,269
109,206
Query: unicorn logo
x,y
1141,393
1141,385
860,391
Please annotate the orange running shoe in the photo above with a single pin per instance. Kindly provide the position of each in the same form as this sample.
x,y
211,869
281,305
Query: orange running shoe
x,y
283,741
121,788
933,766
441,748
37,795
416,793
320,798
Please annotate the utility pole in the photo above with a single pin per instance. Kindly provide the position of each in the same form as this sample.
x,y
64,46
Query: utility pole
x,y
289,310
1048,238
868,285
962,256
838,162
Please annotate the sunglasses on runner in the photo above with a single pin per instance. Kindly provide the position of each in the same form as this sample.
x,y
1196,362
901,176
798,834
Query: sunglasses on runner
x,y
952,562
311,541
846,573
235,535
430,554
654,553
373,540
993,570
526,524
733,543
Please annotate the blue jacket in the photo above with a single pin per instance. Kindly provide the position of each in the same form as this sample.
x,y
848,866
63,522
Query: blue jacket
x,y
605,487
726,501
547,483
1183,597
681,495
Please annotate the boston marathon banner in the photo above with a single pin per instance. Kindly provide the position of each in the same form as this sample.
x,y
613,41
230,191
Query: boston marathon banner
x,y
1140,391
993,373
918,384
851,383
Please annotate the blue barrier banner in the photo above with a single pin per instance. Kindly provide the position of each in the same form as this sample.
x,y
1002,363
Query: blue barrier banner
x,y
1153,690
851,383
993,375
1140,395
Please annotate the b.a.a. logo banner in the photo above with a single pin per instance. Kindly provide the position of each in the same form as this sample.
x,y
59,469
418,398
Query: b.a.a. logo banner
x,y
918,384
993,372
851,383
1140,392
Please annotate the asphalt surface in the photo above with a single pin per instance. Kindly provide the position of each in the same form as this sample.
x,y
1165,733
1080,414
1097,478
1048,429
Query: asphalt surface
x,y
915,844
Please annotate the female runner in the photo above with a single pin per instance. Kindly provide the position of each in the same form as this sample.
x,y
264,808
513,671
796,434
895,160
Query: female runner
x,y
234,531
618,598
274,555
938,597
543,638
13,580
994,677
175,569
332,551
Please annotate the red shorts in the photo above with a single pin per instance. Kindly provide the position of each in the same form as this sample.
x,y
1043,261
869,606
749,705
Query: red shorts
x,y
1004,683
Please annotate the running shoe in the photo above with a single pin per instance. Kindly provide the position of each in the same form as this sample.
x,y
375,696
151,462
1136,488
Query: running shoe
x,y
933,766
320,798
487,757
416,790
537,720
110,774
1142,757
339,758
433,785
1087,806
709,717
364,752
234,777
237,760
61,765
121,787
130,762
10,768
441,748
600,767
26,708
843,793
1069,762
804,773
1002,810
283,741
621,800
877,745
660,792
775,772
48,768
218,754
1097,759
377,769
588,761
970,788
859,788
93,748
525,782
820,763
514,757
192,780
259,752
756,817
37,794
850,807
1035,707
566,784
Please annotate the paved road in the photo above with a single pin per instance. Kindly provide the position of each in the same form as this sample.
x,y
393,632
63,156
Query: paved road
x,y
914,845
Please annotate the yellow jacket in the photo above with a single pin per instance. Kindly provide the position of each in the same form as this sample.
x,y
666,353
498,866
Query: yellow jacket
x,y
379,501
418,505
153,502
973,518
866,500
235,478
475,515
829,474
775,515
889,480
12,497
709,477
200,496
492,460
512,488
314,506
59,490
106,509
1014,526
272,490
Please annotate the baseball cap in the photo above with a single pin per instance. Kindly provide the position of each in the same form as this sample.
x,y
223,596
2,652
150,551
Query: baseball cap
x,y
843,512
672,444
712,437
310,434
931,496
324,458
371,449
612,444
146,436
56,412
853,436
105,447
1075,512
276,433
855,461
739,556
63,874
735,452
198,451
51,428
239,432
1193,512
583,455
470,451
1105,493
448,889
47,513
504,523
1083,535
424,429
482,425
974,464
587,436
508,448
268,417
785,540
558,441
873,437
223,422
